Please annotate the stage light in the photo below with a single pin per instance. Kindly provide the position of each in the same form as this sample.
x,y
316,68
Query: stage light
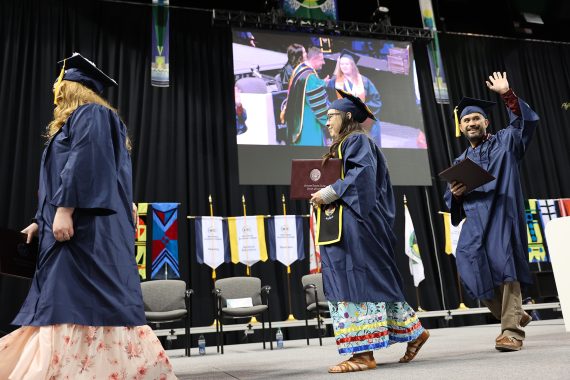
x,y
381,15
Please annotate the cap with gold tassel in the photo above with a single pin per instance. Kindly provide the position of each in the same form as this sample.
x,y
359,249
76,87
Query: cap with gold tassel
x,y
58,83
81,70
468,106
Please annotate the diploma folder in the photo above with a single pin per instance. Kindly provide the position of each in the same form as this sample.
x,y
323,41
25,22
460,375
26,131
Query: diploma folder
x,y
309,176
16,257
468,173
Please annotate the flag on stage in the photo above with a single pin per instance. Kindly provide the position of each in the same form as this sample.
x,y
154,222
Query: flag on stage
x,y
247,239
314,249
141,239
412,250
285,234
164,241
536,250
451,233
212,241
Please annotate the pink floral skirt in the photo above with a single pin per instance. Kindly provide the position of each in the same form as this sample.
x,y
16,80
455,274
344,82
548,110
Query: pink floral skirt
x,y
70,351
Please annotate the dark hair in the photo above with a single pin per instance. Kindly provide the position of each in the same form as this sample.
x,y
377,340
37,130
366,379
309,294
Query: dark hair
x,y
295,54
314,51
347,127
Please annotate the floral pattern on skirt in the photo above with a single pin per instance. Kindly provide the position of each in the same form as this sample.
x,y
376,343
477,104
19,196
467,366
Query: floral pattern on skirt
x,y
69,351
366,326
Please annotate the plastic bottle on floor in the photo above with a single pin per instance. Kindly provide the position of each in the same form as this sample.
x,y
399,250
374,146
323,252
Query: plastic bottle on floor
x,y
279,338
201,345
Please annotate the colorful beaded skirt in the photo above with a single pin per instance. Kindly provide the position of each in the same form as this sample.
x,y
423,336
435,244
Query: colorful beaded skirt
x,y
367,326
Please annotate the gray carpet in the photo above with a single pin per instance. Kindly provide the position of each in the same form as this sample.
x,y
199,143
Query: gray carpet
x,y
451,353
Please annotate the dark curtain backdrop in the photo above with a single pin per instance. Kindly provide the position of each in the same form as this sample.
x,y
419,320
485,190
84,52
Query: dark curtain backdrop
x,y
184,135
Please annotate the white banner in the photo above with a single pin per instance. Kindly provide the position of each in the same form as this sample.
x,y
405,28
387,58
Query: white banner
x,y
286,239
213,241
247,239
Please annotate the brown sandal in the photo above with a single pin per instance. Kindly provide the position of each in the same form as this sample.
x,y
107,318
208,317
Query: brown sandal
x,y
414,347
354,364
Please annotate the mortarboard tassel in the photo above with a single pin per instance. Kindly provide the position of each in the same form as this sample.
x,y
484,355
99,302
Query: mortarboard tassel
x,y
58,83
457,130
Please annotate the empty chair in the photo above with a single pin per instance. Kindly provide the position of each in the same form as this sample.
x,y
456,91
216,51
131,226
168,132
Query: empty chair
x,y
243,288
315,302
168,301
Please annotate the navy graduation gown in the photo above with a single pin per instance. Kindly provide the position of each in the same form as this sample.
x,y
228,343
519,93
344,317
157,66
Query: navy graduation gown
x,y
361,266
493,247
91,279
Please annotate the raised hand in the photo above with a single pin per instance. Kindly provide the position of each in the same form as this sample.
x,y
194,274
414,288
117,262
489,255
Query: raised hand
x,y
498,83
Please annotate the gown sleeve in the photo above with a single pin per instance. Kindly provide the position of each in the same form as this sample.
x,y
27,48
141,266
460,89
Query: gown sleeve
x,y
358,188
316,94
89,178
517,135
373,100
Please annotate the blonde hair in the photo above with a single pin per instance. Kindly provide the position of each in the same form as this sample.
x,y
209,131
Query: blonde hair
x,y
340,77
72,95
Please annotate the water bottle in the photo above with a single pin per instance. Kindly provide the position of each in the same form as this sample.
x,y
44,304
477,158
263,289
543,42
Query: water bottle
x,y
201,345
279,338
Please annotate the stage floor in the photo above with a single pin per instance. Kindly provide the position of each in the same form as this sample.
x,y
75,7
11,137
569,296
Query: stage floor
x,y
451,353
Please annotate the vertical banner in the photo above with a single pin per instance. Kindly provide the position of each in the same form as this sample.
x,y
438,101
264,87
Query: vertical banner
x,y
314,249
159,71
536,250
247,239
285,234
212,241
141,239
313,9
412,250
165,262
435,62
564,206
451,233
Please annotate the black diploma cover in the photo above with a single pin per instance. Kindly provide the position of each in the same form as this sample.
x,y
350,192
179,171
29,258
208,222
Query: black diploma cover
x,y
468,173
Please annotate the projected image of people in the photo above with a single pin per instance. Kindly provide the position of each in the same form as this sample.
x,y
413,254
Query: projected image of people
x,y
307,102
347,77
287,80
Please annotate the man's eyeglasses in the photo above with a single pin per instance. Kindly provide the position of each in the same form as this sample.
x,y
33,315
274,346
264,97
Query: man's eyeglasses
x,y
330,115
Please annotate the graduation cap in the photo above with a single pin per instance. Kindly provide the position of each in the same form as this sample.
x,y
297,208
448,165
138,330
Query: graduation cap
x,y
354,105
347,53
470,105
81,70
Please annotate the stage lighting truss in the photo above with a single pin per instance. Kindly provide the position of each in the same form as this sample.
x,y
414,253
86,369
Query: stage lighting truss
x,y
274,20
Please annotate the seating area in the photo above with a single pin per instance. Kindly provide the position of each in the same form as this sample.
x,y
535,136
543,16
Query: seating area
x,y
240,299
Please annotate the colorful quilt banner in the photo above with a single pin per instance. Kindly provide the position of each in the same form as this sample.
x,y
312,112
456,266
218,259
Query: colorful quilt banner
x,y
564,206
212,241
247,239
536,250
165,263
314,249
159,71
285,235
412,250
141,239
